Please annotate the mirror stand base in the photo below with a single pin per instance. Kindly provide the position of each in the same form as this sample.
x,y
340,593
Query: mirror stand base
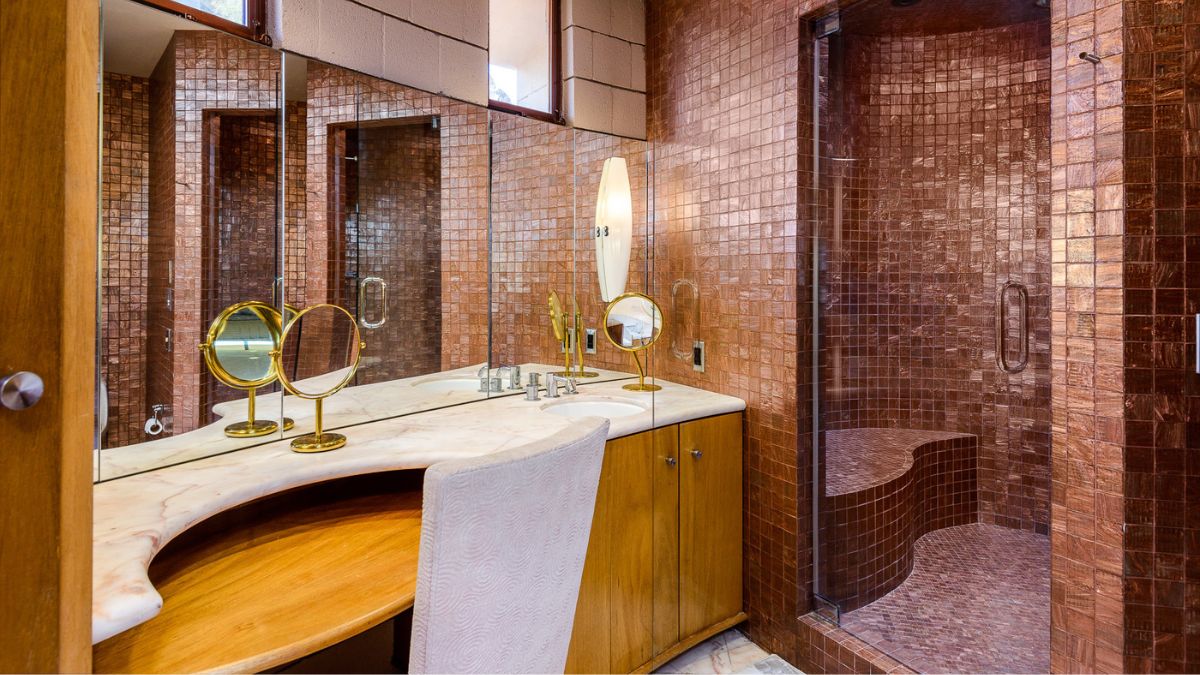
x,y
322,442
642,387
251,429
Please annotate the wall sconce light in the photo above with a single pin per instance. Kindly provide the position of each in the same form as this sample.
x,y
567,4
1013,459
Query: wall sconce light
x,y
614,228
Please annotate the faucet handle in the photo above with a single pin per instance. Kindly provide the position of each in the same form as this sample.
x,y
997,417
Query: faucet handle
x,y
571,385
552,385
535,379
514,377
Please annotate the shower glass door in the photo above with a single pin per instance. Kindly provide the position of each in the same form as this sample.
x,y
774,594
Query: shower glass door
x,y
929,206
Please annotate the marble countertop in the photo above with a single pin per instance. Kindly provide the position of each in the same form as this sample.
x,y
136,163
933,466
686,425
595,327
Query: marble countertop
x,y
136,516
351,406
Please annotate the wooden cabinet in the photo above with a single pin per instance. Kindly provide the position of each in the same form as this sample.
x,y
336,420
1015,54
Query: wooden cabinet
x,y
664,563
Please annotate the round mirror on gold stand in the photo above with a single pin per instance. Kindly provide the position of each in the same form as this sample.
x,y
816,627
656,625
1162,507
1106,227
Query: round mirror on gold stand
x,y
633,322
237,351
325,342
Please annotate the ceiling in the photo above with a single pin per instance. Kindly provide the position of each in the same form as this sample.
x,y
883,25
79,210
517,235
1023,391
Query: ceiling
x,y
136,35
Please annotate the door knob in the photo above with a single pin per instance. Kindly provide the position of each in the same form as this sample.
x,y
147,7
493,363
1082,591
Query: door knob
x,y
21,390
670,461
697,454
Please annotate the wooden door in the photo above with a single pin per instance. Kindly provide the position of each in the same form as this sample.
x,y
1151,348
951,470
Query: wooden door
x,y
710,521
49,56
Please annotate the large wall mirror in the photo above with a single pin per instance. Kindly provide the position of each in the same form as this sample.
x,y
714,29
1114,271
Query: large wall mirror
x,y
235,173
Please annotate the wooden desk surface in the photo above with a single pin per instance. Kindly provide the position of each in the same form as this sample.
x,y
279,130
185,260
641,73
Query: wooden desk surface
x,y
277,580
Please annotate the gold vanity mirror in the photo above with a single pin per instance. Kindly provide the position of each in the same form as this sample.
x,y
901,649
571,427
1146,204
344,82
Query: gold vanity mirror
x,y
318,354
237,351
633,322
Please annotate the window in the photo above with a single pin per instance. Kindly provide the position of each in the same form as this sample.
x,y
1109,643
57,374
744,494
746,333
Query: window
x,y
247,18
523,46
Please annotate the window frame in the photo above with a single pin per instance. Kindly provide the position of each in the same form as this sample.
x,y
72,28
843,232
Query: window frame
x,y
254,29
555,114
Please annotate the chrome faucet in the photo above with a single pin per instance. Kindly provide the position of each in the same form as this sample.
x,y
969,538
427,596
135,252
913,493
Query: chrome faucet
x,y
570,386
514,376
552,385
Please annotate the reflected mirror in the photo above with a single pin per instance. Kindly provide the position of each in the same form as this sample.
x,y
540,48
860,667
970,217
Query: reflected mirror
x,y
189,225
239,353
319,353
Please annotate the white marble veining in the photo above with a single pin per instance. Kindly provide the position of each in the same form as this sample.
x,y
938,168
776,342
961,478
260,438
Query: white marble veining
x,y
137,515
350,406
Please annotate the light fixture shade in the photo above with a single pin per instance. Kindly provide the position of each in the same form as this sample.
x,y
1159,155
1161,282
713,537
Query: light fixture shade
x,y
614,228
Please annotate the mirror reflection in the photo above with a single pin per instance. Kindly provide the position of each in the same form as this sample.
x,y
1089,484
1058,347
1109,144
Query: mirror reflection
x,y
241,345
633,322
233,172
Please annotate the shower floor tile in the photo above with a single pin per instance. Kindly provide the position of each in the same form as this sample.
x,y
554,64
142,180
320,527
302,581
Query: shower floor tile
x,y
977,601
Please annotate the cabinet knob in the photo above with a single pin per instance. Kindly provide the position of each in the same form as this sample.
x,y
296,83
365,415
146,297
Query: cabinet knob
x,y
20,390
670,461
697,454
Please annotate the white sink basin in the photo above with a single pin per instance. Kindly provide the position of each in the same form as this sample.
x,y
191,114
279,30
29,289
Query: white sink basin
x,y
596,407
449,384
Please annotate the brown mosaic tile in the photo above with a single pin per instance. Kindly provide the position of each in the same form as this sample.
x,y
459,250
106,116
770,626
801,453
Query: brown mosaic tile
x,y
884,489
124,209
975,603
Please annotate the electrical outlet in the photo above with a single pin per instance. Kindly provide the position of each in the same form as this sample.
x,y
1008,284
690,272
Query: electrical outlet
x,y
589,341
698,356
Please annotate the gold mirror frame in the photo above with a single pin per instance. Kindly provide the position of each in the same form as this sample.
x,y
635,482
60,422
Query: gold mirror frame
x,y
633,351
319,440
270,317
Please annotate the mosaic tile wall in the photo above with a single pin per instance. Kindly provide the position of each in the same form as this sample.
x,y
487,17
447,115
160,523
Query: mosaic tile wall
x,y
532,242
942,146
399,239
723,108
186,83
125,217
241,160
160,365
540,173
1161,276
1087,317
338,97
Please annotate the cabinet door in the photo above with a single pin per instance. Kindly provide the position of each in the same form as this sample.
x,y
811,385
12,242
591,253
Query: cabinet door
x,y
630,519
666,538
710,521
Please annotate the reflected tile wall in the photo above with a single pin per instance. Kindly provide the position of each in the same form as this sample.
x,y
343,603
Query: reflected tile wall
x,y
333,99
124,209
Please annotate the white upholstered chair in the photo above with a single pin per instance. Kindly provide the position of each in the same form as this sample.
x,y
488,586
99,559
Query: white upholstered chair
x,y
503,539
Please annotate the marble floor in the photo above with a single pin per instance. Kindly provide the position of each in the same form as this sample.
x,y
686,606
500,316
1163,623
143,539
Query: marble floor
x,y
729,652
977,601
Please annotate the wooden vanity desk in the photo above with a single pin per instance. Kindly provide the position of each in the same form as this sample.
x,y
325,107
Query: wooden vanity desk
x,y
278,579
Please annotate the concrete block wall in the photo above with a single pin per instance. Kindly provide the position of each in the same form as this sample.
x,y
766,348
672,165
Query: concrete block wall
x,y
438,46
604,65
441,46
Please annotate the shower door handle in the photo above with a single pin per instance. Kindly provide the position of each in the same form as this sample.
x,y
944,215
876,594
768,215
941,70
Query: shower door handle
x,y
1002,328
362,297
